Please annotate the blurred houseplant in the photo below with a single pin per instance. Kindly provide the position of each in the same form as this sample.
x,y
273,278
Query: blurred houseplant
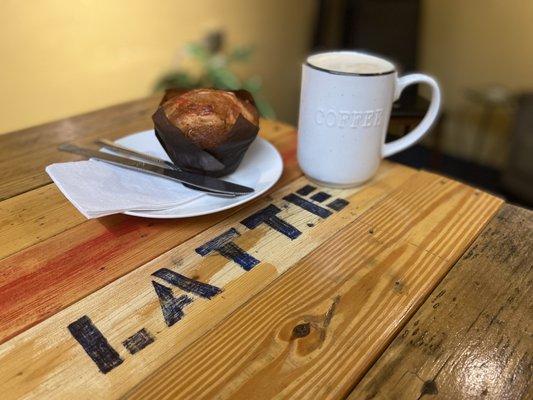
x,y
215,71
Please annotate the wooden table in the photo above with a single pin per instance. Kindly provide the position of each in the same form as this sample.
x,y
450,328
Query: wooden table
x,y
412,285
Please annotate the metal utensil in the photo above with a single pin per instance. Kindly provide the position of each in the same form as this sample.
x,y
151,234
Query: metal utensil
x,y
217,186
123,150
118,148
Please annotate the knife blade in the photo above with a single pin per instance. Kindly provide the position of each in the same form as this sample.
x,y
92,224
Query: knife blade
x,y
126,151
123,150
217,186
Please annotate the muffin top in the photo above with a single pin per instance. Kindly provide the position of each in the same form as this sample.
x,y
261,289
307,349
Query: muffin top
x,y
206,116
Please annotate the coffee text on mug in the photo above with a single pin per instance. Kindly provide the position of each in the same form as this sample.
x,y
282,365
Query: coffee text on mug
x,y
349,119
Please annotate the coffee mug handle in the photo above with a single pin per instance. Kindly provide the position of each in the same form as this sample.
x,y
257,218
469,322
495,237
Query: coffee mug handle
x,y
423,127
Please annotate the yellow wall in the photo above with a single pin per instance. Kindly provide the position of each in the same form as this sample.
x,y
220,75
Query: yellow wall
x,y
63,57
470,44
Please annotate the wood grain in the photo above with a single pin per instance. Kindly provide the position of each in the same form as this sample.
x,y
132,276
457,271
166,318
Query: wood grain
x,y
24,154
39,214
34,216
316,329
472,338
47,360
306,322
81,256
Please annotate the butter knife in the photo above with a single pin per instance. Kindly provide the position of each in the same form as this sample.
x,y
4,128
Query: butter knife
x,y
214,185
123,150
126,151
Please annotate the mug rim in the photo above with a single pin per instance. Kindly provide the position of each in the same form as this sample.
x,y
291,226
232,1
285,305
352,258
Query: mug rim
x,y
307,63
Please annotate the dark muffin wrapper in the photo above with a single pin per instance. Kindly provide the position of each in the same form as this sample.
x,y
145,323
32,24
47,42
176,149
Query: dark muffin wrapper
x,y
220,161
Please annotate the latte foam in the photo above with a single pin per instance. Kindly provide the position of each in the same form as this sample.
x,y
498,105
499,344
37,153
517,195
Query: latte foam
x,y
350,63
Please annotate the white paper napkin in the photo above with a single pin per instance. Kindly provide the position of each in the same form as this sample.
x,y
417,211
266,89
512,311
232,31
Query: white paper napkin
x,y
96,188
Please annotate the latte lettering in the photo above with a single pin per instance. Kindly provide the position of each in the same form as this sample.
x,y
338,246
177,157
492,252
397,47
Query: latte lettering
x,y
174,304
352,119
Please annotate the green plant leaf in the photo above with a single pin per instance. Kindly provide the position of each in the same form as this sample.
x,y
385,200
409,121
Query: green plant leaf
x,y
197,51
177,79
215,73
265,109
217,61
253,84
241,53
223,78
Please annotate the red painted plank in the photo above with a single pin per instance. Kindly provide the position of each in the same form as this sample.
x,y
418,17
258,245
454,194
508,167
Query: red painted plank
x,y
39,281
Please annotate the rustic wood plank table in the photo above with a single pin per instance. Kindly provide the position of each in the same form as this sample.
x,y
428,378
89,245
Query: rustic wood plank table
x,y
412,285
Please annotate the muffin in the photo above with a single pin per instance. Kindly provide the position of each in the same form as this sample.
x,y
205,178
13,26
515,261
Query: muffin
x,y
206,131
206,116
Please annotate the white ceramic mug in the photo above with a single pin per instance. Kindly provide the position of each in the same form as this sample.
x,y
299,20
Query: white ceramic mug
x,y
345,105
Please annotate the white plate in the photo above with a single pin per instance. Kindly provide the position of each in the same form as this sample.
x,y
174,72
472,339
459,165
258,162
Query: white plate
x,y
260,169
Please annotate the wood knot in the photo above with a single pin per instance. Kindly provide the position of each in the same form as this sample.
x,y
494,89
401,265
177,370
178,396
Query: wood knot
x,y
301,330
429,387
399,286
